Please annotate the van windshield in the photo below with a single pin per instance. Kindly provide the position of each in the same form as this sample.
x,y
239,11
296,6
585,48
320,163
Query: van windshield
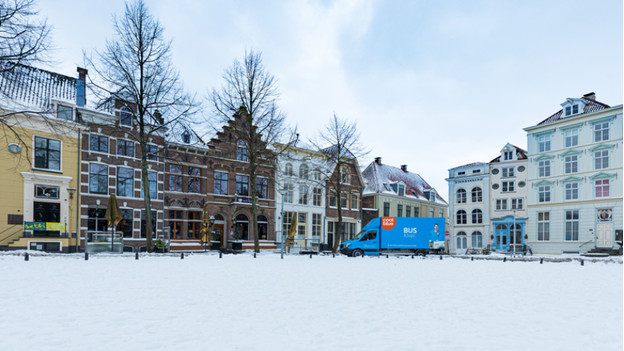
x,y
360,234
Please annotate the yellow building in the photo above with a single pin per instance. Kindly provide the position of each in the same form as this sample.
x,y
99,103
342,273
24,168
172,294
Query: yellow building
x,y
39,158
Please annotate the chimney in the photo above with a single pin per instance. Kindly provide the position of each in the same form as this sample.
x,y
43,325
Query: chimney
x,y
378,160
158,117
590,96
81,87
404,168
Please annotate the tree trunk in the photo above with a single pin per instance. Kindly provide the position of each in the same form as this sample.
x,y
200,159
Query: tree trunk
x,y
146,200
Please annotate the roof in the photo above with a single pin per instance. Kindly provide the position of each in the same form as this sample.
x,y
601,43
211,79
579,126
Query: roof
x,y
30,87
473,164
176,132
521,154
376,175
591,106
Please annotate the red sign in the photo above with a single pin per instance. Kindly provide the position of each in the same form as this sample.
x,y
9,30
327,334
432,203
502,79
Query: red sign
x,y
388,223
446,233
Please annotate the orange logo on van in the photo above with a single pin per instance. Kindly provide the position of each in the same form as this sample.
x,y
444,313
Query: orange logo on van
x,y
388,223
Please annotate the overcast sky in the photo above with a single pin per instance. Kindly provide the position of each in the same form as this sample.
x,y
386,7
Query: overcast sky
x,y
431,84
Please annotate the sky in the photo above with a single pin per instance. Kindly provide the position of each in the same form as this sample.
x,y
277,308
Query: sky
x,y
430,84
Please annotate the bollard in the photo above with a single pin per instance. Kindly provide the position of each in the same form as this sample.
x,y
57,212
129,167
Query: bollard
x,y
254,255
220,254
440,258
26,256
472,258
182,256
412,257
136,256
504,259
86,256
334,255
582,263
362,255
541,261
310,255
386,255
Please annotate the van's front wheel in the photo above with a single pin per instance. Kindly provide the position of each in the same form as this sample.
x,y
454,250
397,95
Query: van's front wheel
x,y
357,253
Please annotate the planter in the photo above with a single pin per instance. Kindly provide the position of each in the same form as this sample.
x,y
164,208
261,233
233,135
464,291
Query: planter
x,y
237,246
215,245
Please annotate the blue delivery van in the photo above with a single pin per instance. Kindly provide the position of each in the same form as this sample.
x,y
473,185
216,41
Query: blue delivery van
x,y
409,235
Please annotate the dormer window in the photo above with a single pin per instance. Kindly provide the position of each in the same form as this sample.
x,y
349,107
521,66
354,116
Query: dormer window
x,y
186,137
401,190
573,107
508,155
432,195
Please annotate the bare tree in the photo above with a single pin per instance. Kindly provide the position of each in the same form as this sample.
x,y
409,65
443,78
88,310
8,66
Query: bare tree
x,y
340,142
249,86
135,71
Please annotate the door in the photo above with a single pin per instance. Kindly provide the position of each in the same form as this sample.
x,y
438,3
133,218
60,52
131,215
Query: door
x,y
462,243
604,235
46,212
501,238
370,242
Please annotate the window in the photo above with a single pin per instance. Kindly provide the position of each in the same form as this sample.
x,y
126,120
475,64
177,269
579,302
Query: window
x,y
98,143
501,204
543,226
287,221
144,223
461,240
125,181
241,151
303,195
303,172
152,180
508,172
602,188
126,224
516,204
64,112
461,196
401,190
543,193
477,195
543,168
416,211
432,196
571,110
477,239
601,159
601,131
316,175
399,210
98,178
317,194
288,196
461,217
508,155
175,179
242,185
125,117
354,202
571,164
125,148
152,152
46,192
571,137
95,219
344,175
508,187
477,216
302,224
441,212
288,170
572,225
262,187
408,211
316,224
344,201
431,212
571,191
193,181
186,137
193,227
386,209
220,183
543,143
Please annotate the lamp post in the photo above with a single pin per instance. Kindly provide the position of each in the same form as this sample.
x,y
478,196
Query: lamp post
x,y
283,193
211,221
513,237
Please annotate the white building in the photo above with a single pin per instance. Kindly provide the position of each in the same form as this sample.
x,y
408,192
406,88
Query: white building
x,y
508,196
469,207
575,178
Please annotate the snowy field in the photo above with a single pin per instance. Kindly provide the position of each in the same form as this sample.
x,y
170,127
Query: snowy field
x,y
62,302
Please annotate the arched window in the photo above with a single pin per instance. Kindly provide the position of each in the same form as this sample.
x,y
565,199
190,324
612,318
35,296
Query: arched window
x,y
241,228
303,172
288,170
462,241
186,137
477,239
125,117
460,217
460,195
241,151
477,195
344,175
477,216
316,174
263,227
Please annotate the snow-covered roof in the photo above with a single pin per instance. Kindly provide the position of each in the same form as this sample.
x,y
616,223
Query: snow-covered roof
x,y
28,87
591,105
521,154
180,133
379,176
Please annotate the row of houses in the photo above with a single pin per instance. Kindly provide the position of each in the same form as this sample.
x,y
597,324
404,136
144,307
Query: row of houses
x,y
562,195
60,167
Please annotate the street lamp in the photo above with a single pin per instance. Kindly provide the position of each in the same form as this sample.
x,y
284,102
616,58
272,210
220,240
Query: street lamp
x,y
211,221
513,231
283,193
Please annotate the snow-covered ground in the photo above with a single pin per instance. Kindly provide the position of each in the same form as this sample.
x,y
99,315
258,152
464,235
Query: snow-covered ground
x,y
62,302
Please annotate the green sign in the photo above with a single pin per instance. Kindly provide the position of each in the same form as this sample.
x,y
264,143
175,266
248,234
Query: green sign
x,y
51,226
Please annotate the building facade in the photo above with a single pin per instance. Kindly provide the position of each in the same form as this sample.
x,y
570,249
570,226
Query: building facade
x,y
575,178
507,200
469,207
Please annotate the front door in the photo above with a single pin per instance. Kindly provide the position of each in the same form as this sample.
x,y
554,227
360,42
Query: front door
x,y
604,235
501,238
46,212
462,244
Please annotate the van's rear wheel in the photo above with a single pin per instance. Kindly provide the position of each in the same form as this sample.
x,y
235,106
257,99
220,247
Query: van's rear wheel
x,y
420,253
357,253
